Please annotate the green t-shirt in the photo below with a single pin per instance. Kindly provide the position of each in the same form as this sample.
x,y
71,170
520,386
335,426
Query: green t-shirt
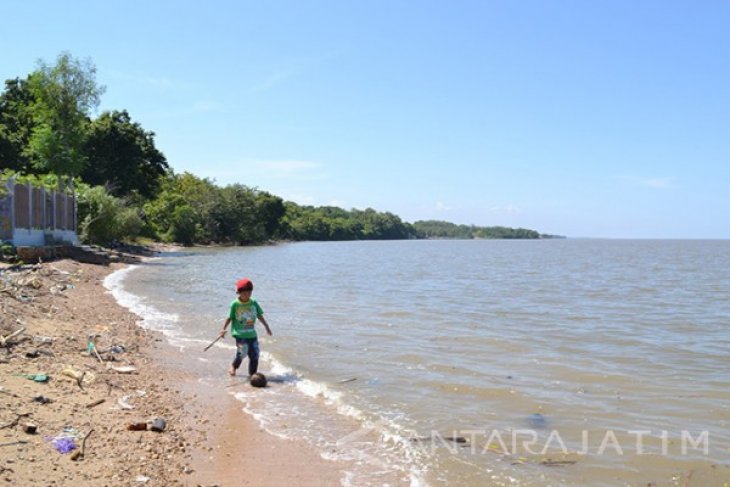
x,y
243,316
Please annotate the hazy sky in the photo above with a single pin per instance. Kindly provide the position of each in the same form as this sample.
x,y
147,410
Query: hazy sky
x,y
596,118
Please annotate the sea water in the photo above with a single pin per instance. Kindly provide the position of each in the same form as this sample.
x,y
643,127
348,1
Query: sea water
x,y
525,363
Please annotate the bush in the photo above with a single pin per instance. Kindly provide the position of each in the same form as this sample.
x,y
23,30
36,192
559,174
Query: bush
x,y
6,249
104,218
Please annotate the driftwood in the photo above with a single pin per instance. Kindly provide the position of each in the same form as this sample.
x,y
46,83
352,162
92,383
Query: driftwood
x,y
95,403
80,380
454,439
557,463
96,352
11,443
79,455
4,340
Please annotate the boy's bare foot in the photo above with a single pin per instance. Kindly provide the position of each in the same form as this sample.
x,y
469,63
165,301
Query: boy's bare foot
x,y
231,371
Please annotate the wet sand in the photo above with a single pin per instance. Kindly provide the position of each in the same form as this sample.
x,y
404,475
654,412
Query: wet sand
x,y
204,443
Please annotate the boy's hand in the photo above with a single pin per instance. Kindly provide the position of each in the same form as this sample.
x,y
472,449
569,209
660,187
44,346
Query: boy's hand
x,y
223,333
268,330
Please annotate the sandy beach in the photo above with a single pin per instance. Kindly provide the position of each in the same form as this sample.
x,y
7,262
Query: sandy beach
x,y
73,414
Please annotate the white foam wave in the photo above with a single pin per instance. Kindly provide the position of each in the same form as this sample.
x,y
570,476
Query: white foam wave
x,y
151,317
387,435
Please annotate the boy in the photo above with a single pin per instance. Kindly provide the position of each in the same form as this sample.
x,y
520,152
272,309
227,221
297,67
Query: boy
x,y
243,314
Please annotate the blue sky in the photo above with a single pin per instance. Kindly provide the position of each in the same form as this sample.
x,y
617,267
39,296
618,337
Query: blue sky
x,y
582,118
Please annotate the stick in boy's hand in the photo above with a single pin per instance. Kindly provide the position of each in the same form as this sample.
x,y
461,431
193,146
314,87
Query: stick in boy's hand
x,y
212,343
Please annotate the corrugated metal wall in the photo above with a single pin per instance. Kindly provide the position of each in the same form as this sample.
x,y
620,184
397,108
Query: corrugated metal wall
x,y
6,218
36,208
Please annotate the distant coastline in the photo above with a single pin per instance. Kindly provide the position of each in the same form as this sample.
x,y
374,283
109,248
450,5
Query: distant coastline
x,y
443,229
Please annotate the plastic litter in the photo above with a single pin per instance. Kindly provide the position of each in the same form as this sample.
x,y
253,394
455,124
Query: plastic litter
x,y
92,342
35,377
125,369
64,445
123,402
70,372
66,441
537,421
158,425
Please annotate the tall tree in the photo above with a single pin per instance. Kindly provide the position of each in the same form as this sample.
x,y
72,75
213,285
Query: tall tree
x,y
270,210
16,125
65,95
122,156
235,217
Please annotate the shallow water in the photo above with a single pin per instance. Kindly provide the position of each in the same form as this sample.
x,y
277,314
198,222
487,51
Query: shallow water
x,y
560,362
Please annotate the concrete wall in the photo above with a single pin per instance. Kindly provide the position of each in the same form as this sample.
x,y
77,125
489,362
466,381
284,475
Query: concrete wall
x,y
28,238
32,238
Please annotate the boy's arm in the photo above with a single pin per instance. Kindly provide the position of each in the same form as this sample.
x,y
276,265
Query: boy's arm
x,y
225,325
266,325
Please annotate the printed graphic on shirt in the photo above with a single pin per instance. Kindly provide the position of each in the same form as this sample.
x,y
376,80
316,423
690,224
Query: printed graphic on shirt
x,y
246,315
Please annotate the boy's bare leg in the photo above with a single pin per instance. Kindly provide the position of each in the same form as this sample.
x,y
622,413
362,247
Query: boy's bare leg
x,y
231,370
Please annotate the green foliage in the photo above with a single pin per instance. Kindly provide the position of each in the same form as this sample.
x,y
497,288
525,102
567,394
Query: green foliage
x,y
235,218
16,124
332,223
442,229
7,249
176,191
104,218
183,224
48,181
270,210
122,156
189,209
64,94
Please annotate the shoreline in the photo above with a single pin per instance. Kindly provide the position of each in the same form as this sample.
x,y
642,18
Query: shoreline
x,y
59,303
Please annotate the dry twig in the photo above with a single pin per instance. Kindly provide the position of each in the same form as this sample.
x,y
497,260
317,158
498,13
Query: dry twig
x,y
15,422
4,340
95,403
11,443
79,455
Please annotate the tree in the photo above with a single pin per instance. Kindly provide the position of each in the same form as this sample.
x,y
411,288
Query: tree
x,y
122,156
177,190
183,225
65,95
235,217
442,229
16,125
270,210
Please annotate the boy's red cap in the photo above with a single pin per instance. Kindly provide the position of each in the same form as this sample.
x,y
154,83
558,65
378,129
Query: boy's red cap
x,y
244,285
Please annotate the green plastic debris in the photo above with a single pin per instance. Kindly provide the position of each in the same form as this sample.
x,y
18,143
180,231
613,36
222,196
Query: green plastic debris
x,y
35,377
